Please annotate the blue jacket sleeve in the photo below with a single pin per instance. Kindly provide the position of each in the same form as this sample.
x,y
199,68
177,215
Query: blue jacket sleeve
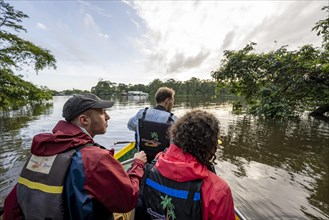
x,y
133,122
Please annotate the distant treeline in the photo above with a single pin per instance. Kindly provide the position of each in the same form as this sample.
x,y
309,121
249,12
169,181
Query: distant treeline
x,y
194,86
68,92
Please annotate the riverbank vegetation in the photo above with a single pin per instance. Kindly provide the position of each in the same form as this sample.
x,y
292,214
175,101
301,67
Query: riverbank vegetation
x,y
280,83
194,86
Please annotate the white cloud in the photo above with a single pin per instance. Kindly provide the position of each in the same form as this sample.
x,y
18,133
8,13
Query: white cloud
x,y
135,23
188,38
103,35
94,8
291,27
89,21
41,26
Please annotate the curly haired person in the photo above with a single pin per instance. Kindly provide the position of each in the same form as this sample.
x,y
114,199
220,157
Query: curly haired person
x,y
179,184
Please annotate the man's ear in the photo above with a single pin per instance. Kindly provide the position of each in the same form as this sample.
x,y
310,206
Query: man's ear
x,y
166,103
84,120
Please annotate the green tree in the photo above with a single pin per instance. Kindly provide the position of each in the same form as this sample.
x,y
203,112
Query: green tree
x,y
276,84
154,85
16,53
138,87
104,88
207,87
167,204
194,86
122,88
175,85
280,83
155,136
16,92
69,92
322,28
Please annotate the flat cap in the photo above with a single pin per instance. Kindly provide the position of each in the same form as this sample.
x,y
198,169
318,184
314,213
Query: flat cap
x,y
82,102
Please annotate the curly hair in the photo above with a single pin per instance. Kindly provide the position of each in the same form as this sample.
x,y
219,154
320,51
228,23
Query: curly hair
x,y
197,133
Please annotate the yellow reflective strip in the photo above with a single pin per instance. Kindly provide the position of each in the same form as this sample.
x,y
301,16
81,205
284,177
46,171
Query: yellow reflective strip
x,y
124,150
40,186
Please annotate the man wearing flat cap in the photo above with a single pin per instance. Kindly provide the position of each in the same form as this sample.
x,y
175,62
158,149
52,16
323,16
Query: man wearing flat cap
x,y
69,176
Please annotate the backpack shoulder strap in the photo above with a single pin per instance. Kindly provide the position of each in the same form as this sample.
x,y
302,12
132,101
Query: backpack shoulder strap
x,y
190,197
141,120
148,168
170,119
88,145
144,113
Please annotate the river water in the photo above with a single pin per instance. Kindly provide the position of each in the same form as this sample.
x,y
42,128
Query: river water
x,y
276,169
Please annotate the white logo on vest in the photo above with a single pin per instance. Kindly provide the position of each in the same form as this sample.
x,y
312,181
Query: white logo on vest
x,y
41,164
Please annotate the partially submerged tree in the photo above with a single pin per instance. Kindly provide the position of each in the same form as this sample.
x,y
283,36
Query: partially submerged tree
x,y
17,53
16,92
280,83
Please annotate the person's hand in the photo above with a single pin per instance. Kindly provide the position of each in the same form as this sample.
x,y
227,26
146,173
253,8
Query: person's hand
x,y
141,155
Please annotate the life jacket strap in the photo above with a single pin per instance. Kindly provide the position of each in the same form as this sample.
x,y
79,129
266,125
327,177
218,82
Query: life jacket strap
x,y
190,198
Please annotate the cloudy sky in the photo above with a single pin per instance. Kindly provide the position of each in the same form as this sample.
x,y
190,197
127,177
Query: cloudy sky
x,y
139,41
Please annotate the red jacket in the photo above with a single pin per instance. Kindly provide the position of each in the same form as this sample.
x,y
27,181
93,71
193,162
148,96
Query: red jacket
x,y
217,201
105,180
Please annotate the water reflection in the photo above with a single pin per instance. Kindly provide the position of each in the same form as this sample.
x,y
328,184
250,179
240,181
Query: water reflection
x,y
289,152
13,144
132,99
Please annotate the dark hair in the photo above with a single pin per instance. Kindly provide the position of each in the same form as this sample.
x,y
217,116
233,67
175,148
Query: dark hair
x,y
163,93
197,133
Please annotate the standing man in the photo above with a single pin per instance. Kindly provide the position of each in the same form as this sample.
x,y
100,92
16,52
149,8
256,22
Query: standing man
x,y
151,124
179,183
69,176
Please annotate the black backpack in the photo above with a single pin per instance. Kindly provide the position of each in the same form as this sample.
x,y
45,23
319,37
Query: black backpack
x,y
153,137
155,190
